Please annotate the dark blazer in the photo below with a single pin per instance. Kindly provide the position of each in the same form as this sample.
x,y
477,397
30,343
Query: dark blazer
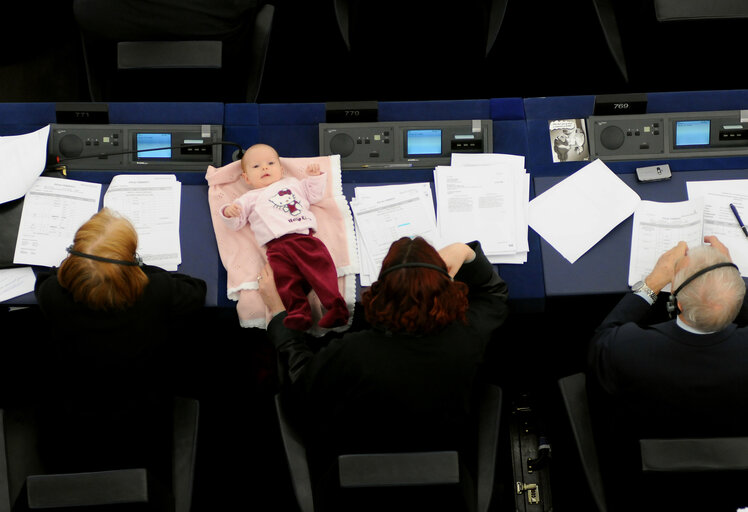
x,y
668,380
121,340
378,391
110,373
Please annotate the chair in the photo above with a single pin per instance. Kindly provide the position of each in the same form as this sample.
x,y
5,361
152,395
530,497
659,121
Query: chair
x,y
664,461
167,55
385,471
26,484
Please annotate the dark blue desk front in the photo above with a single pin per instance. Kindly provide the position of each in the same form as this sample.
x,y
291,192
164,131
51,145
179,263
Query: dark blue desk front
x,y
604,268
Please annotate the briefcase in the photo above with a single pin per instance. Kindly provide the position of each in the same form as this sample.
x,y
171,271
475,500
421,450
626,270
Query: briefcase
x,y
531,457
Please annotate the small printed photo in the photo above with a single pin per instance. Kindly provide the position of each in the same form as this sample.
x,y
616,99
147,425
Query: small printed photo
x,y
568,140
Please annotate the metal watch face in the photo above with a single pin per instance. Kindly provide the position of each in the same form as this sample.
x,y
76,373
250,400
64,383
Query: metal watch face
x,y
638,286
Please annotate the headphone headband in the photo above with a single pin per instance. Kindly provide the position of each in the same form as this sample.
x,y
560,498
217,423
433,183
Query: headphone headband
x,y
702,272
137,263
411,265
672,304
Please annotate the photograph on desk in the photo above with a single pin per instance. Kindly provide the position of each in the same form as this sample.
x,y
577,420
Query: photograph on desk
x,y
568,140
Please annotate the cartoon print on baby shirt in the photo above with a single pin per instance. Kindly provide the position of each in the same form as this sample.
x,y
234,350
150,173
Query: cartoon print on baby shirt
x,y
286,201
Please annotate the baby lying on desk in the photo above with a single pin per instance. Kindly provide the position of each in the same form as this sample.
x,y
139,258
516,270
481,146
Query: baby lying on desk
x,y
277,210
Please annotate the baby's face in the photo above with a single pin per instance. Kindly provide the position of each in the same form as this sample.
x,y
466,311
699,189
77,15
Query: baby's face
x,y
261,167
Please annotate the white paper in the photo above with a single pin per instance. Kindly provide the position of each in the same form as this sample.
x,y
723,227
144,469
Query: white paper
x,y
484,196
15,282
53,210
22,160
579,211
658,227
152,204
383,214
719,219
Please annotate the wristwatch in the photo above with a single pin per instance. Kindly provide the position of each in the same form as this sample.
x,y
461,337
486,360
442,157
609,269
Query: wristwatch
x,y
640,288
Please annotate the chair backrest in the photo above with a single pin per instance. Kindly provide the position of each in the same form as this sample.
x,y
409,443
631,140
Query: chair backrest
x,y
399,469
410,469
223,66
660,458
21,467
692,455
574,395
680,10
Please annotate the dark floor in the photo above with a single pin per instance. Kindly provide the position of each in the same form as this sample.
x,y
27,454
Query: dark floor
x,y
421,55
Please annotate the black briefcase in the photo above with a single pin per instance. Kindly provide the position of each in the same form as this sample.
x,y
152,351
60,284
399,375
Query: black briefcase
x,y
531,457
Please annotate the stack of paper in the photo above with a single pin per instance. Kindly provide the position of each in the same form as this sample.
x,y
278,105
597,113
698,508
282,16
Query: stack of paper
x,y
383,214
54,209
485,197
152,204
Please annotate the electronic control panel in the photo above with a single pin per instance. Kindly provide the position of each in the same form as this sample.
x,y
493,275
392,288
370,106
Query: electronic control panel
x,y
135,147
669,135
417,144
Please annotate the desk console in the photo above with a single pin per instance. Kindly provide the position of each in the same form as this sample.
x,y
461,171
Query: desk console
x,y
416,144
141,147
662,136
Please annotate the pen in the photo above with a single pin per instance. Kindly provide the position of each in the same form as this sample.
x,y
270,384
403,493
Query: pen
x,y
740,221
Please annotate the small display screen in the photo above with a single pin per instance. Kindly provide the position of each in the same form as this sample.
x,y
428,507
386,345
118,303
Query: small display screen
x,y
155,142
692,133
423,142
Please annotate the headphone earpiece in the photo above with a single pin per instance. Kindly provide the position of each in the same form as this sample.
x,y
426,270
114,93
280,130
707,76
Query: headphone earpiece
x,y
672,306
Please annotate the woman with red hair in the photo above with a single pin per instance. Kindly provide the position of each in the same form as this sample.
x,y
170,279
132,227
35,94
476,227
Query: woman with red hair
x,y
405,382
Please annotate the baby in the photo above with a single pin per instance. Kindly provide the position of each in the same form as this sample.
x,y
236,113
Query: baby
x,y
277,210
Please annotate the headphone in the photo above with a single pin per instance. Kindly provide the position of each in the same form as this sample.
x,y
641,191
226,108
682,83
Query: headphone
x,y
672,302
414,264
137,263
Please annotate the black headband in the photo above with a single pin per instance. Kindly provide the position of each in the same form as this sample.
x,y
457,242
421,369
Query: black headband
x,y
413,264
702,272
137,263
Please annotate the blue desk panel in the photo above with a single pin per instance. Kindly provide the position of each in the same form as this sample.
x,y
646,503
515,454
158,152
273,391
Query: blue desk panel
x,y
604,269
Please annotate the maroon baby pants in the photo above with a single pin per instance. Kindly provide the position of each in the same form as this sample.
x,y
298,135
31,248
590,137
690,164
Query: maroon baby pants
x,y
302,263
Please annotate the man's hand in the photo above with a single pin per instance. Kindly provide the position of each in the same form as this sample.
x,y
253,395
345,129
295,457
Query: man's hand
x,y
715,242
664,270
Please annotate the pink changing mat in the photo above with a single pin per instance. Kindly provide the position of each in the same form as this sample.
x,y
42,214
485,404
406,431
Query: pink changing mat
x,y
244,259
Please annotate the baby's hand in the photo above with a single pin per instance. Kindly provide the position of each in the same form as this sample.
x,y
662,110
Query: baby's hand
x,y
313,170
232,210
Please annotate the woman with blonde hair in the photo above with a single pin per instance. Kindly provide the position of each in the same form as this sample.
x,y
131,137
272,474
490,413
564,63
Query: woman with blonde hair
x,y
115,326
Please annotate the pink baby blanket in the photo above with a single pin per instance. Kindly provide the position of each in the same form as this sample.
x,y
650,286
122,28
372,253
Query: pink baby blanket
x,y
244,259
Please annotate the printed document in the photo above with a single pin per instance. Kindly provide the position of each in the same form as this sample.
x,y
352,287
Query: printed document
x,y
485,197
383,214
719,220
576,213
15,282
658,227
152,204
22,161
53,210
